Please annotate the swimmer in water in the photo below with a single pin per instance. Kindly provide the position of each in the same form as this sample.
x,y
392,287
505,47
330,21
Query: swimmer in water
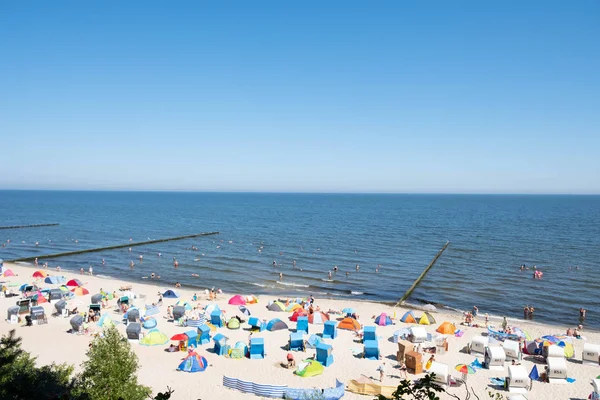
x,y
335,268
153,275
357,267
176,264
37,244
329,275
141,257
131,264
347,274
130,249
274,263
293,263
159,254
281,276
103,262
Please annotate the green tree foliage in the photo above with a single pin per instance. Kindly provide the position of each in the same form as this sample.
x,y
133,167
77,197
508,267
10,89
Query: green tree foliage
x,y
424,389
110,371
20,378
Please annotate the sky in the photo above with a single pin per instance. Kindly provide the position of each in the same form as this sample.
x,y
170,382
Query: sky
x,y
311,96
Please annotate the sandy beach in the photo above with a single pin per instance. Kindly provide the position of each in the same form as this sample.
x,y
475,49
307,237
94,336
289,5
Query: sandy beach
x,y
52,343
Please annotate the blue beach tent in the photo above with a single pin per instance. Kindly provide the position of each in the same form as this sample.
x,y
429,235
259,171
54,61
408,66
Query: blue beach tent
x,y
170,294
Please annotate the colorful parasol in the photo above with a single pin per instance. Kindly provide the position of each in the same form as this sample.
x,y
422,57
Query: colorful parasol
x,y
80,291
465,369
179,336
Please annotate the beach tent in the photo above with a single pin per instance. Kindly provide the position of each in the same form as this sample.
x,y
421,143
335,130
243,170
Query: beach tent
x,y
237,300
446,328
193,363
383,320
409,317
298,313
349,324
318,318
55,280
308,368
105,321
74,283
80,291
252,299
185,304
276,325
233,323
40,274
208,310
154,338
8,273
276,306
293,307
238,351
170,294
313,341
426,319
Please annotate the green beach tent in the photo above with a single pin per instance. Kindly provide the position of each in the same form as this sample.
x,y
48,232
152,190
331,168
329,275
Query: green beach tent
x,y
233,323
308,368
154,338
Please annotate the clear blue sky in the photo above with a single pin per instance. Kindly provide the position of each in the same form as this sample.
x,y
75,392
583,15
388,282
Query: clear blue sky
x,y
326,96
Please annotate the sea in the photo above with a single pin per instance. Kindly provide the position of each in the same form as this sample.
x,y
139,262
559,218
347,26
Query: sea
x,y
391,237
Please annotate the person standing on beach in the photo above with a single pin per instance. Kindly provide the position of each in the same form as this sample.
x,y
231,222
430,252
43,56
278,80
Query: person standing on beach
x,y
81,270
91,270
381,370
475,311
36,261
504,323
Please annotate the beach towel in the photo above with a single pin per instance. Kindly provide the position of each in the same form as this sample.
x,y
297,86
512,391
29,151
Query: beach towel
x,y
459,333
476,364
497,381
570,380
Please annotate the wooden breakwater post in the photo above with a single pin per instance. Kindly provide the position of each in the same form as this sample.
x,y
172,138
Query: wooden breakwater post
x,y
27,226
422,276
118,246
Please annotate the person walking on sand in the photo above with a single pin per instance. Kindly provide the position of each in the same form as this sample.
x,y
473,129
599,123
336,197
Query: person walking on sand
x,y
81,271
381,370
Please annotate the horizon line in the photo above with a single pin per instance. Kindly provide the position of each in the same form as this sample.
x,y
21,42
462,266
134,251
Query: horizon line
x,y
302,192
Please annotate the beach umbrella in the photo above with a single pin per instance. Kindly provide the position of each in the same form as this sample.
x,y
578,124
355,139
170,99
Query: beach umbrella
x,y
521,333
348,310
465,370
244,310
80,291
74,283
180,336
40,274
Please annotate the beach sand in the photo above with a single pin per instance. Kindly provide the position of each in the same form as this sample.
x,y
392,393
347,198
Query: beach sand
x,y
52,343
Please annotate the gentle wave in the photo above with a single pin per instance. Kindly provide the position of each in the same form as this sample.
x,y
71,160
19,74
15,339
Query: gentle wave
x,y
292,284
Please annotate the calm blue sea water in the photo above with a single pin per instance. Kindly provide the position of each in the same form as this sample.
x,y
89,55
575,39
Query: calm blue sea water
x,y
490,237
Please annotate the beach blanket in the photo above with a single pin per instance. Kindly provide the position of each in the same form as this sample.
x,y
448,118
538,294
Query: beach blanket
x,y
459,333
497,381
476,364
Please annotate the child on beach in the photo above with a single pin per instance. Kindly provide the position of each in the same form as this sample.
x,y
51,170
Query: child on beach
x,y
381,370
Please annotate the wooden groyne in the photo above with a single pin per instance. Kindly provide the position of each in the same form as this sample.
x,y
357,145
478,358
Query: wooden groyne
x,y
27,226
118,246
420,278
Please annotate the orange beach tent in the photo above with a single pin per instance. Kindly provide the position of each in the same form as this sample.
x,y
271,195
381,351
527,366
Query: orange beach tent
x,y
446,328
349,324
